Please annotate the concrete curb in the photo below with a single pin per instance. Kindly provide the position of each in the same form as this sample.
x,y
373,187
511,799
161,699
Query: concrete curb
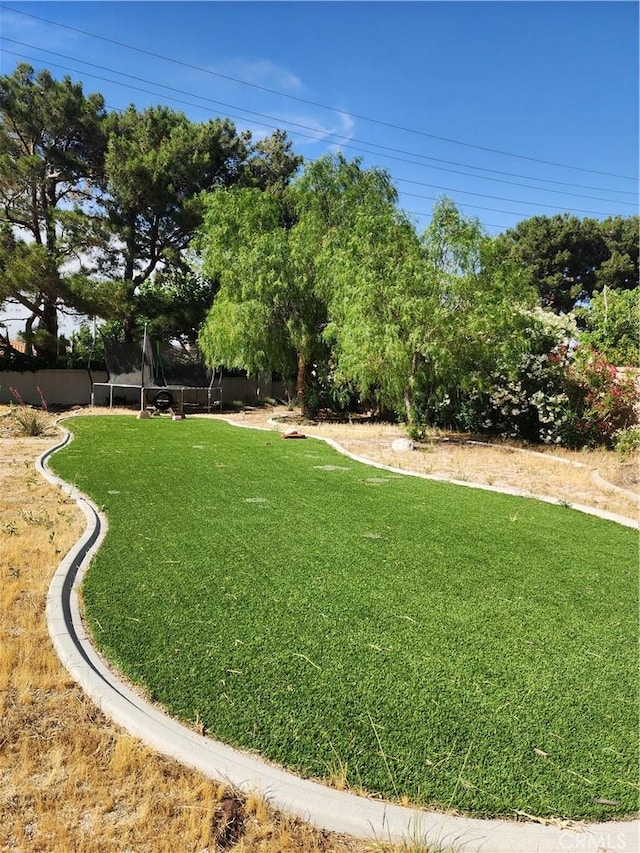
x,y
597,478
325,807
504,490
595,475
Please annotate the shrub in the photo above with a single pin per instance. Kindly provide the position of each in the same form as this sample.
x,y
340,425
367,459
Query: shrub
x,y
627,442
526,399
556,394
602,401
29,422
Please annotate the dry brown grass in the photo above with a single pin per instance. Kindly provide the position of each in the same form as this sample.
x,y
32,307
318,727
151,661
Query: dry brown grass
x,y
70,780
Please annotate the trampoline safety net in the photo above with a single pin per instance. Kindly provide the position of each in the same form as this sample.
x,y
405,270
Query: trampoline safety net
x,y
180,376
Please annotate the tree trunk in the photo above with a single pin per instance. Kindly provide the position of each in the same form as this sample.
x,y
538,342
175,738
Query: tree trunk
x,y
409,391
48,324
128,321
302,383
28,335
408,406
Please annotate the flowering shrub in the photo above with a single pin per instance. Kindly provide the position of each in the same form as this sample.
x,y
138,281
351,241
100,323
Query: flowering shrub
x,y
558,392
558,398
534,405
527,399
602,401
555,394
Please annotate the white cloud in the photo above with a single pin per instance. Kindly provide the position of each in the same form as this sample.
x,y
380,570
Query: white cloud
x,y
306,129
32,31
339,124
260,72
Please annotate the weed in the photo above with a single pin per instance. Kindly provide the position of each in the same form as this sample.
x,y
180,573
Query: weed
x,y
415,844
36,518
337,771
416,432
30,422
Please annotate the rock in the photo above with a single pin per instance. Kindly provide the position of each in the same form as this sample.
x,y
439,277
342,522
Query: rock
x,y
402,444
228,822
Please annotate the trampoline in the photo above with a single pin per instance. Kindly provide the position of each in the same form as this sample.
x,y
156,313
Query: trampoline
x,y
166,379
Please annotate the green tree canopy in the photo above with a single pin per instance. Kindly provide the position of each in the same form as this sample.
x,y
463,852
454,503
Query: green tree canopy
x,y
613,326
620,270
265,317
112,199
331,282
414,320
568,259
269,252
157,165
51,153
157,162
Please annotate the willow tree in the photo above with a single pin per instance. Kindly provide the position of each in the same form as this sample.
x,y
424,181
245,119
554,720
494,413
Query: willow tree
x,y
257,321
415,319
269,252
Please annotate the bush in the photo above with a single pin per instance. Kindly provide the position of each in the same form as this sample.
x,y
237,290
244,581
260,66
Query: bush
x,y
525,400
30,422
554,395
602,401
627,442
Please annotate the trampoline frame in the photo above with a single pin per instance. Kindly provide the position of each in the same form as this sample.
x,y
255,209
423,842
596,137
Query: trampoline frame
x,y
211,389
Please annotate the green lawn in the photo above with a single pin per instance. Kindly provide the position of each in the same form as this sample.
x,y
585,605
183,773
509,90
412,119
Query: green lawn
x,y
463,648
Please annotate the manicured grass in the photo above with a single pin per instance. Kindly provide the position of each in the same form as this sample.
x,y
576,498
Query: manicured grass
x,y
461,648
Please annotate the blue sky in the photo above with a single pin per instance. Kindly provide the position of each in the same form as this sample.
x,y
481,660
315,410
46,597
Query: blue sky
x,y
430,91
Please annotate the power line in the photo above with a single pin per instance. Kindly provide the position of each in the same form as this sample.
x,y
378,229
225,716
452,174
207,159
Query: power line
x,y
511,200
430,216
314,103
345,138
345,145
348,139
526,186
